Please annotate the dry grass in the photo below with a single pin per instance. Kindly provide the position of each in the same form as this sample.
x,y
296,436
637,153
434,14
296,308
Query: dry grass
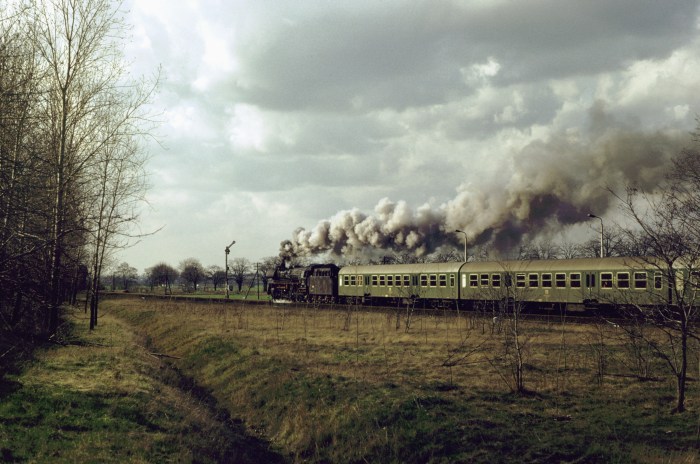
x,y
438,347
320,383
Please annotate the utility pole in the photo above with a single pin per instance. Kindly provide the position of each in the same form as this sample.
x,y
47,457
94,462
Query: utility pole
x,y
601,231
465,243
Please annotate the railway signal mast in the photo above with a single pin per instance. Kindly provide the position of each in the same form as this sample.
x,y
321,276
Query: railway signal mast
x,y
227,251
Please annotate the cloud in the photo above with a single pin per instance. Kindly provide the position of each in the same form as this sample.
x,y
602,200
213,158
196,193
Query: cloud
x,y
455,111
416,54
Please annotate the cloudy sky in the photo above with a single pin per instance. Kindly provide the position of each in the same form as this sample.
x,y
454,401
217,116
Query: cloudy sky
x,y
391,123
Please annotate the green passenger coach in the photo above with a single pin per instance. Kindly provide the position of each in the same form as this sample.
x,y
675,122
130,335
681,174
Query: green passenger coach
x,y
563,284
400,283
551,284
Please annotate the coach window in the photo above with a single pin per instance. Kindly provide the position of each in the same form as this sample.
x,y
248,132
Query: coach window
x,y
575,280
397,280
694,279
424,280
390,281
382,280
346,280
606,280
473,280
374,280
360,280
443,280
406,280
533,280
433,280
640,280
560,280
658,280
484,280
496,280
353,280
452,280
623,280
520,280
547,280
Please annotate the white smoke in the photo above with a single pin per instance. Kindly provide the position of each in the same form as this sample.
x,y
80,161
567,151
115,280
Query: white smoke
x,y
554,183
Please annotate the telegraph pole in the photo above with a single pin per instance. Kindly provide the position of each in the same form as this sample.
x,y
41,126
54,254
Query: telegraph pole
x,y
601,231
465,243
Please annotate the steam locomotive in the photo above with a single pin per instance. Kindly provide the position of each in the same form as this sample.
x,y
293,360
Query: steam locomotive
x,y
316,283
561,284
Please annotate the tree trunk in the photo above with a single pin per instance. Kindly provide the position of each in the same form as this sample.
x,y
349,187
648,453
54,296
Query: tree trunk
x,y
682,372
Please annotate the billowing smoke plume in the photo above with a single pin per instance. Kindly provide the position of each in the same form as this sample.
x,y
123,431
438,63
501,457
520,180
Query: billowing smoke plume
x,y
547,185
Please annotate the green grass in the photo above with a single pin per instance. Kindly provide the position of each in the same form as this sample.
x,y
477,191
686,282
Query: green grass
x,y
324,393
104,398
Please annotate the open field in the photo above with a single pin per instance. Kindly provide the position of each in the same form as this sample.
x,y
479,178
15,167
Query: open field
x,y
358,386
253,294
103,397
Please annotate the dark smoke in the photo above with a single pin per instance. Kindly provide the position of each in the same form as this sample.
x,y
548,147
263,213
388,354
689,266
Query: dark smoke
x,y
553,184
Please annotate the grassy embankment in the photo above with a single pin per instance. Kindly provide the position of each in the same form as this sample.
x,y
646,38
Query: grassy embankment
x,y
335,386
103,397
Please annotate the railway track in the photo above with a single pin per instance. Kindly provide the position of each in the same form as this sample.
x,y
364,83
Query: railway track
x,y
541,315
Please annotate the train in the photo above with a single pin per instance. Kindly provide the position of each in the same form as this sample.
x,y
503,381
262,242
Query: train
x,y
579,284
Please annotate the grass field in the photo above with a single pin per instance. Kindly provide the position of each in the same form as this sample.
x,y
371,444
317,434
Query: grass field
x,y
246,293
164,381
358,386
103,397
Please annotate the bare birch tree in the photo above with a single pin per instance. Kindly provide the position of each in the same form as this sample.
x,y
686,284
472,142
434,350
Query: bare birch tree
x,y
88,114
668,225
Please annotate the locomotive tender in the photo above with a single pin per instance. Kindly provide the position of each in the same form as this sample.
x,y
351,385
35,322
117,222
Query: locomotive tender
x,y
564,284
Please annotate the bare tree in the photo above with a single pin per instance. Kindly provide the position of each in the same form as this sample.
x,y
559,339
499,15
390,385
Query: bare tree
x,y
239,268
87,111
268,265
668,225
70,165
126,274
542,249
192,272
570,250
508,300
22,178
217,275
404,258
118,169
616,242
164,275
447,256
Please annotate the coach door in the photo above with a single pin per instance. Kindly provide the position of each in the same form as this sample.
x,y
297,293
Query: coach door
x,y
590,288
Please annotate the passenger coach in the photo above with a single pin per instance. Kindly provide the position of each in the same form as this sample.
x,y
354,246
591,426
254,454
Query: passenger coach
x,y
556,284
436,283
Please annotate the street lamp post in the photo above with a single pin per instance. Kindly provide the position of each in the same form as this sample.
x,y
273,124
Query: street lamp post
x,y
227,250
465,243
601,231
